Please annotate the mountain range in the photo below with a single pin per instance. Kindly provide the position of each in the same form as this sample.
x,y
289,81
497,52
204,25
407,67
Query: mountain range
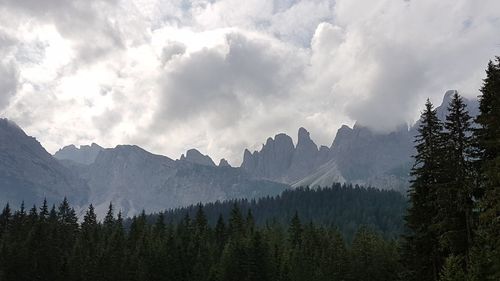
x,y
134,179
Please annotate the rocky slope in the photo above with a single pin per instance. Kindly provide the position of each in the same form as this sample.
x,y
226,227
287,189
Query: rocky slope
x,y
134,179
86,154
280,160
29,173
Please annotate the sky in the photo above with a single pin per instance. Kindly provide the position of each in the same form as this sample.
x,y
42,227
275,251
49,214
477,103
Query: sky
x,y
222,76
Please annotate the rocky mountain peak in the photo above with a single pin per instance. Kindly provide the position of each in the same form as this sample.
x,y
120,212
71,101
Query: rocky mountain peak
x,y
280,160
448,96
86,154
194,156
29,173
305,156
303,136
223,163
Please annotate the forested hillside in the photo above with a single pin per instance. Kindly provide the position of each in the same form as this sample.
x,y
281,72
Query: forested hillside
x,y
50,245
345,206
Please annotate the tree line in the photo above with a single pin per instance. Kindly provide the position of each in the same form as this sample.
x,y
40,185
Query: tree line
x,y
344,206
43,244
453,220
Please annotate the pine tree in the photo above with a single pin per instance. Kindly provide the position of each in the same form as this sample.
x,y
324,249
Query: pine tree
x,y
453,270
109,219
44,211
236,227
422,243
295,231
455,195
487,140
220,235
5,218
85,258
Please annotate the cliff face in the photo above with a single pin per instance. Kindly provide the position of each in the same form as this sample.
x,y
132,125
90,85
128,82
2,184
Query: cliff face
x,y
281,161
29,173
85,155
134,179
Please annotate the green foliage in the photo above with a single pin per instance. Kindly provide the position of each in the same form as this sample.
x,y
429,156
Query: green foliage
x,y
56,247
487,141
452,270
454,215
345,206
422,253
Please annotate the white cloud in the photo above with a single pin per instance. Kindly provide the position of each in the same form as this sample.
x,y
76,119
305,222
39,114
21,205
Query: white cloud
x,y
224,75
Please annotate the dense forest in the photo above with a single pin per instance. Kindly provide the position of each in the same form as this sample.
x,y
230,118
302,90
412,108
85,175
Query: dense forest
x,y
50,245
345,207
451,233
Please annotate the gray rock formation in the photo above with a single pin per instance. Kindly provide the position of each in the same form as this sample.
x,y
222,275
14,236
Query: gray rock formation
x,y
281,161
29,173
223,163
134,179
272,161
305,157
362,156
441,110
130,177
86,154
194,156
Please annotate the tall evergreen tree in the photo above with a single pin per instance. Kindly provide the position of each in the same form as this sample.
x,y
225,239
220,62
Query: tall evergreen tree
x,y
295,231
455,195
487,140
422,244
5,218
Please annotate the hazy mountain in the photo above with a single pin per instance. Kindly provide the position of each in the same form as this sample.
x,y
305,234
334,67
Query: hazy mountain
x,y
86,154
377,159
130,177
361,156
28,172
472,105
194,156
134,179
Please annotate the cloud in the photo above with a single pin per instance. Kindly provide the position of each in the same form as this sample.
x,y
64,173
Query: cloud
x,y
8,83
383,58
93,29
223,75
9,76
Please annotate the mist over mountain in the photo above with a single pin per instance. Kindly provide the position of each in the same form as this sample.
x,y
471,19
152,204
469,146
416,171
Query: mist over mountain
x,y
357,155
135,179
